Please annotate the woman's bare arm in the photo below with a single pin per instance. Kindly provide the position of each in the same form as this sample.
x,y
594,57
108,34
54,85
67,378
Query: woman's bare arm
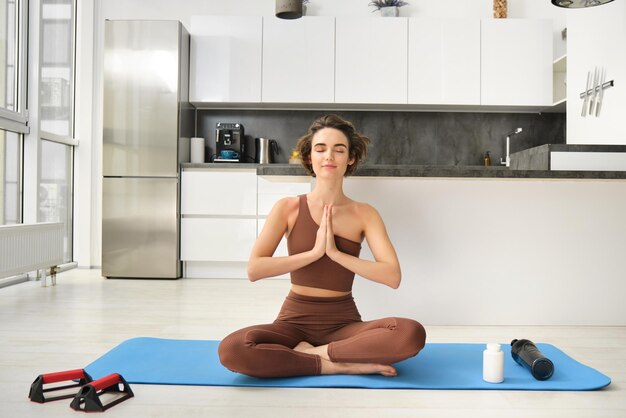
x,y
385,268
262,263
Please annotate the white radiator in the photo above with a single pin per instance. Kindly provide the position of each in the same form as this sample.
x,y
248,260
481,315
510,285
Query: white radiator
x,y
29,247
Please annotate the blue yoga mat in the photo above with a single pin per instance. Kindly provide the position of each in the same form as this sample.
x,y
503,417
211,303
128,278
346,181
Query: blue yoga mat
x,y
437,366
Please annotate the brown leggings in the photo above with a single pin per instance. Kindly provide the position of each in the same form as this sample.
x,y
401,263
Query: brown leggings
x,y
267,350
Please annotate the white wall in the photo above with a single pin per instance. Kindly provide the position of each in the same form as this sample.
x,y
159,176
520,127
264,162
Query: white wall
x,y
87,153
31,140
182,10
597,38
543,10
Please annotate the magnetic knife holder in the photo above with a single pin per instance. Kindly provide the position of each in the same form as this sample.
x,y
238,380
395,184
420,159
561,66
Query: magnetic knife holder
x,y
594,92
596,89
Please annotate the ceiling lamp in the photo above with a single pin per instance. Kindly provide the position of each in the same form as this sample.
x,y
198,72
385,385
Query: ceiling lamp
x,y
579,4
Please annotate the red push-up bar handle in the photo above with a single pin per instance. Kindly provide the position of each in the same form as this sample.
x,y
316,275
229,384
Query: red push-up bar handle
x,y
62,376
106,381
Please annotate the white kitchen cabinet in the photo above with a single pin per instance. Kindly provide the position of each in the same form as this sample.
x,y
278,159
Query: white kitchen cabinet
x,y
559,84
229,192
218,221
225,59
298,60
371,60
444,61
217,239
273,188
516,62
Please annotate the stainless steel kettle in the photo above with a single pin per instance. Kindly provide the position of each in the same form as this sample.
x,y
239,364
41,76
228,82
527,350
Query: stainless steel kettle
x,y
265,150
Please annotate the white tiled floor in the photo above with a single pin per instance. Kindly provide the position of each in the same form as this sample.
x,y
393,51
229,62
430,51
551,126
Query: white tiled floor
x,y
68,326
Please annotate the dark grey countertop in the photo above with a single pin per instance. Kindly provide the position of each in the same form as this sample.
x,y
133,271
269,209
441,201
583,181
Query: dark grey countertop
x,y
539,158
586,148
421,171
574,148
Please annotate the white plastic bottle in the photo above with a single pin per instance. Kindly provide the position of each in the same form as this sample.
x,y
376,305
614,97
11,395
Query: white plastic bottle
x,y
493,364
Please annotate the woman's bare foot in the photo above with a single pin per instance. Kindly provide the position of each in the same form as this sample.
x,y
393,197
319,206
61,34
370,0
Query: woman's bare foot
x,y
329,367
305,347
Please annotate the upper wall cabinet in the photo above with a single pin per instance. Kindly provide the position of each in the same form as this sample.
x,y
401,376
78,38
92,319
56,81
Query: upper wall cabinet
x,y
225,59
444,61
516,62
371,60
299,60
503,63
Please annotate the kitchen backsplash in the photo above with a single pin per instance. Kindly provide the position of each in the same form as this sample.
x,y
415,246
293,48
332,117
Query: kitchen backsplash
x,y
423,138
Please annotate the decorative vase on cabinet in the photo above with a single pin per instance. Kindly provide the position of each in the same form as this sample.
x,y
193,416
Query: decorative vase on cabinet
x,y
499,9
391,11
388,8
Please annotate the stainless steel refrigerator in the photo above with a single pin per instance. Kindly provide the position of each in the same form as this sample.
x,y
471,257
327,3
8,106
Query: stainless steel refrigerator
x,y
147,122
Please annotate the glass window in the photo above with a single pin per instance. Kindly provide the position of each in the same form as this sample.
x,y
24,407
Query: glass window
x,y
55,189
10,177
8,54
56,119
56,95
12,65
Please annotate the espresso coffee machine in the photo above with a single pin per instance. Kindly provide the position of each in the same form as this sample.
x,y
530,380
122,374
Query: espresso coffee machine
x,y
230,144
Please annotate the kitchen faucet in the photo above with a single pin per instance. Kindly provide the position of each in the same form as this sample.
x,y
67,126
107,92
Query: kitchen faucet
x,y
507,161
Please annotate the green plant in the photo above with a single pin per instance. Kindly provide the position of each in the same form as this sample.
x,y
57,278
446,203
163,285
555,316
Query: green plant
x,y
379,4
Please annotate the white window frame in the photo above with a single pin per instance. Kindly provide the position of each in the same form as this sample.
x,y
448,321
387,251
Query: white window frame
x,y
61,139
68,140
17,121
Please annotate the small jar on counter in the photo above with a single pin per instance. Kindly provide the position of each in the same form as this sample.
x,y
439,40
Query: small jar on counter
x,y
295,158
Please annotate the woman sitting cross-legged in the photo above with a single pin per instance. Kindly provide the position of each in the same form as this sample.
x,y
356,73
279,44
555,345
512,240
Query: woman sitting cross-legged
x,y
319,329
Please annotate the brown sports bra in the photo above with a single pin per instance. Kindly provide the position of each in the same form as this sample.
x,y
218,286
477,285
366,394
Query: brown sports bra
x,y
323,273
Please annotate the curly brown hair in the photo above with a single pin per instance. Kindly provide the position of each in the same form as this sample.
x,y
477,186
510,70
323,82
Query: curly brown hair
x,y
357,142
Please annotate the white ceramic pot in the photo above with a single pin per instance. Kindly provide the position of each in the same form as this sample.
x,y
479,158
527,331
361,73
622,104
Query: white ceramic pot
x,y
390,11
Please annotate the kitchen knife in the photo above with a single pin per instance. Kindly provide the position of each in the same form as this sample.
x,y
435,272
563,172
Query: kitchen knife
x,y
592,100
601,92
